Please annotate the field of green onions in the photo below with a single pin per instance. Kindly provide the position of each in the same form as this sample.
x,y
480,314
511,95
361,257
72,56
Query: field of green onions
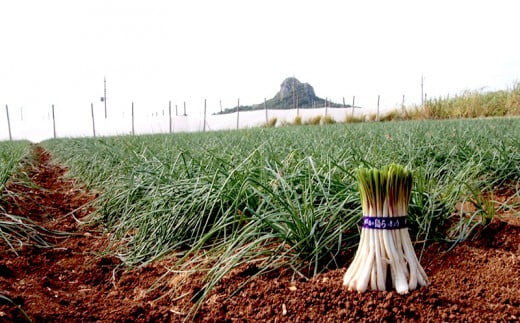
x,y
287,197
15,230
11,154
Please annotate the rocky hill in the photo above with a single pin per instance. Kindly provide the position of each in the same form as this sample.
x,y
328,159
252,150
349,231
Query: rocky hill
x,y
292,94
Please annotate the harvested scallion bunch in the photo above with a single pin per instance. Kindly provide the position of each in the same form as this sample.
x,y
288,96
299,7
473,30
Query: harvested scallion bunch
x,y
385,242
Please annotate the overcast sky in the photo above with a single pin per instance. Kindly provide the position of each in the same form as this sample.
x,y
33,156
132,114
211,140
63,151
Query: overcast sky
x,y
58,52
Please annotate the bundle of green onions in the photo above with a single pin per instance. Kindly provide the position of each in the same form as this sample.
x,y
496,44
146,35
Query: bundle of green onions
x,y
385,242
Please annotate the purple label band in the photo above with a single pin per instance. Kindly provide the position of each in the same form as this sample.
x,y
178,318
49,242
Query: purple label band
x,y
385,223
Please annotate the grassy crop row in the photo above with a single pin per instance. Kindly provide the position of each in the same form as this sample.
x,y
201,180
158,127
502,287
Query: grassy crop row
x,y
15,230
163,194
287,196
11,154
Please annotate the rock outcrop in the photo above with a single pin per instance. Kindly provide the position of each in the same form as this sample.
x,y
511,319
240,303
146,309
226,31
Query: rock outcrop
x,y
292,94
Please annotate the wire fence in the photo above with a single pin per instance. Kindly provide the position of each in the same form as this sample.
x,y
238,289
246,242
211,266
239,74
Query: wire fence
x,y
58,122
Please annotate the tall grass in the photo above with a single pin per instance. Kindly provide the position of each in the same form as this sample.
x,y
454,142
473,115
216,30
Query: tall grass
x,y
469,104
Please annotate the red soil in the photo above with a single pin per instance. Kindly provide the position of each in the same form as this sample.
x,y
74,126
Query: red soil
x,y
478,280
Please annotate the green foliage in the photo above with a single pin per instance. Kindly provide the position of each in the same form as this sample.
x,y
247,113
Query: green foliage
x,y
197,181
285,196
17,231
11,154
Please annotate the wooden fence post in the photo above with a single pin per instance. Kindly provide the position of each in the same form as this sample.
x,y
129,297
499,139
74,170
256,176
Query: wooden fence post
x,y
293,94
53,122
238,112
133,125
8,123
422,90
344,105
353,102
326,106
93,124
105,96
170,116
377,116
204,127
265,108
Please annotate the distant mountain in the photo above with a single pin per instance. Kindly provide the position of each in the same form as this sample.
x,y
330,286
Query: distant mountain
x,y
292,93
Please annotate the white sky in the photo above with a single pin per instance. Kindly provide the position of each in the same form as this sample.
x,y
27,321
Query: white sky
x,y
57,52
